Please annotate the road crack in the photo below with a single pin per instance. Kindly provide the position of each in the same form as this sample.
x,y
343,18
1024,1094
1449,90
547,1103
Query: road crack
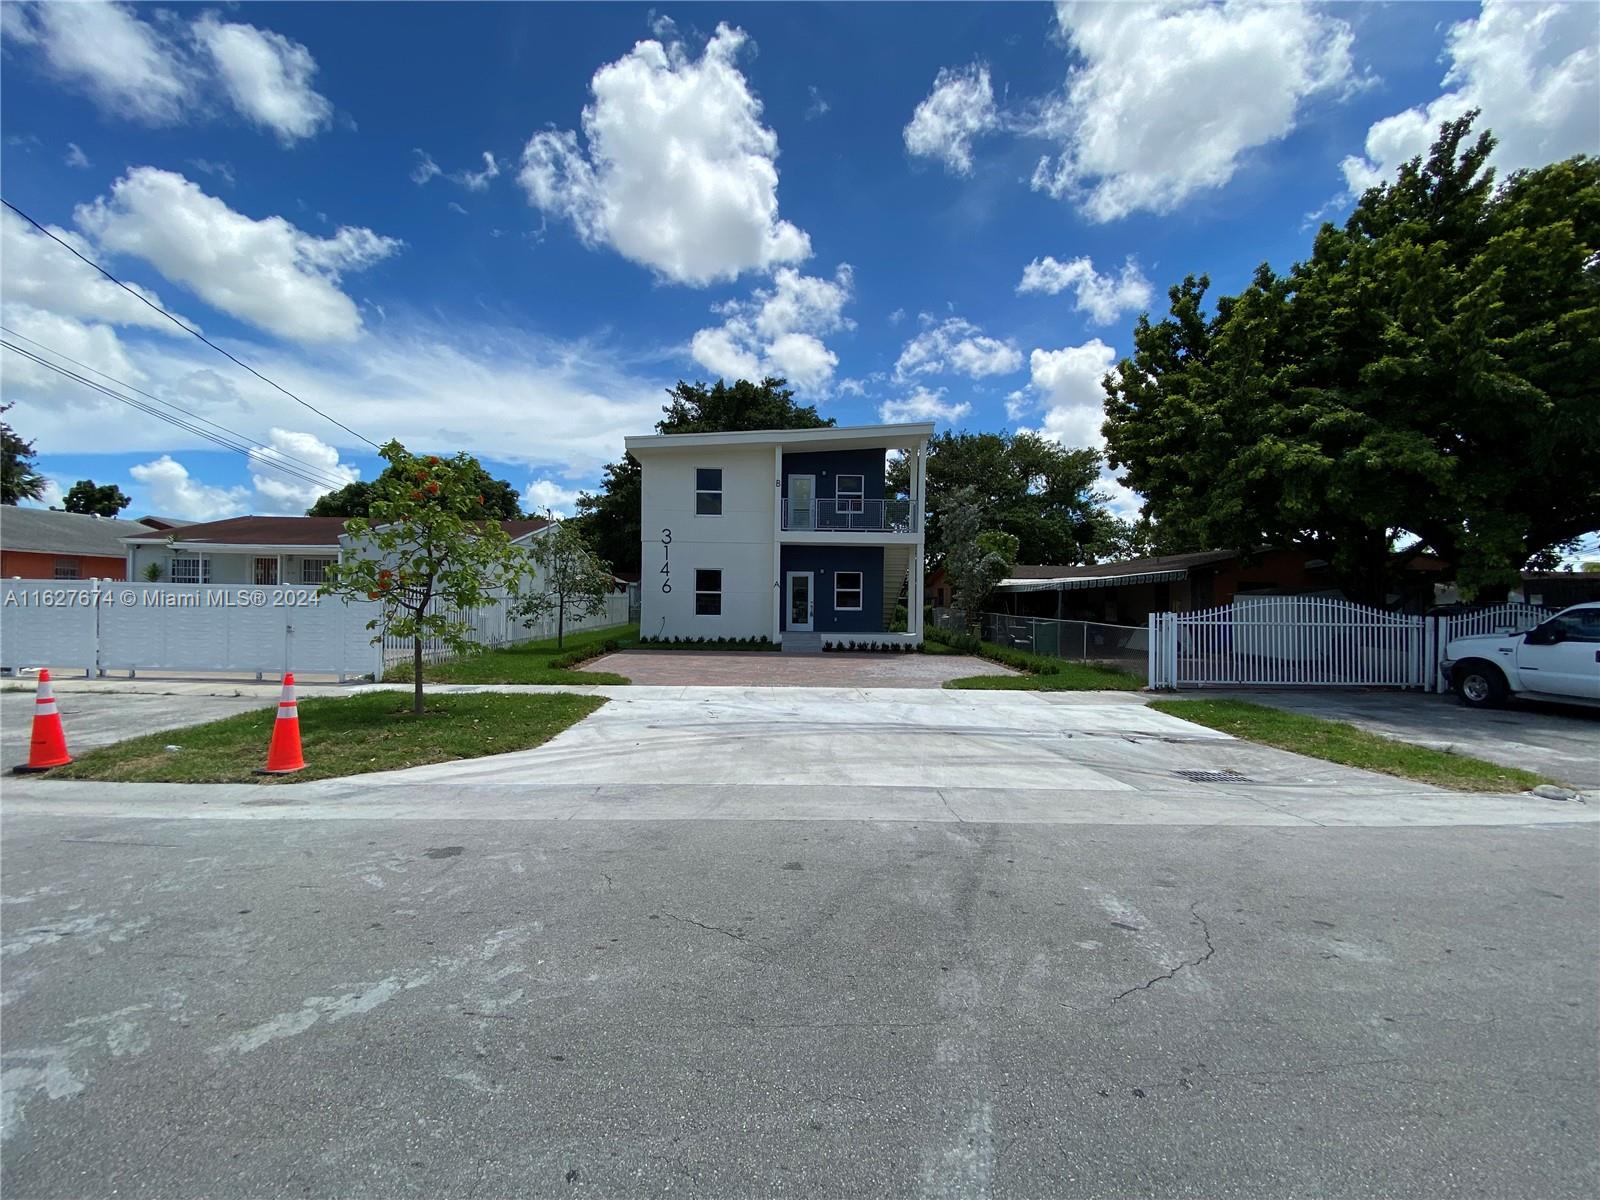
x,y
738,937
1205,931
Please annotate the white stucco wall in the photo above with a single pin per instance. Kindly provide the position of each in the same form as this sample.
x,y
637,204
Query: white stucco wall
x,y
738,543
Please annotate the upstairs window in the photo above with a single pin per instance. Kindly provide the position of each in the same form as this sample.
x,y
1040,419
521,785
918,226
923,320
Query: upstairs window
x,y
848,491
708,593
190,570
708,491
314,570
847,591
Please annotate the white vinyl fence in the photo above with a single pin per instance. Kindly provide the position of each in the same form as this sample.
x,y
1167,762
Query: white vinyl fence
x,y
1306,641
99,626
494,626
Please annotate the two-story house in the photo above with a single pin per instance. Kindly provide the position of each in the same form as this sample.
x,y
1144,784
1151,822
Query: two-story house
x,y
788,534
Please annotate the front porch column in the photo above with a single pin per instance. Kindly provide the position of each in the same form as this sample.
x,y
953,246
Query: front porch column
x,y
777,544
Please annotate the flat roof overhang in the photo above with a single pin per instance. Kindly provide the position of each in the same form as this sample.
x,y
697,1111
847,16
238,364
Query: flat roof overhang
x,y
847,437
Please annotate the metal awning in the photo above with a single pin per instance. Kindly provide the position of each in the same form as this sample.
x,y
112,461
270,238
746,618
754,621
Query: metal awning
x,y
1074,582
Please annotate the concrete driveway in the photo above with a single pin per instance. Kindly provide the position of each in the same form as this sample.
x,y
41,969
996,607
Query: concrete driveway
x,y
771,669
1556,740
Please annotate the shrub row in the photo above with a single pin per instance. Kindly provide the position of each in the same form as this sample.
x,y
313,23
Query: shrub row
x,y
969,643
565,662
703,643
873,647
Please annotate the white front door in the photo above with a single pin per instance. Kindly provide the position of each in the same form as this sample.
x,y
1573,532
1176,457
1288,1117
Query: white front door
x,y
802,502
798,598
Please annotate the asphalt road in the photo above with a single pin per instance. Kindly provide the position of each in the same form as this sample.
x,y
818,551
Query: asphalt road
x,y
507,1007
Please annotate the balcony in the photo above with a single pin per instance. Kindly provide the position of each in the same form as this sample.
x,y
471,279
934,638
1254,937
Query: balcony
x,y
859,516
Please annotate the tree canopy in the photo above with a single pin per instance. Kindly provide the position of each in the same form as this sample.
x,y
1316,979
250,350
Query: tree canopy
x,y
609,518
500,501
1040,492
105,499
975,558
19,478
1431,375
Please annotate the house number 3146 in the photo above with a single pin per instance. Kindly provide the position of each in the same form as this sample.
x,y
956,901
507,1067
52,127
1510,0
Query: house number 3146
x,y
666,560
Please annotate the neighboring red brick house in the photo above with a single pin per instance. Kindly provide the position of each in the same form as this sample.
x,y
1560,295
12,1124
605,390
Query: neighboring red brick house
x,y
45,543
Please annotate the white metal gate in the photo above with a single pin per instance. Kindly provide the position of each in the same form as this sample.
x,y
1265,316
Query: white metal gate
x,y
1290,641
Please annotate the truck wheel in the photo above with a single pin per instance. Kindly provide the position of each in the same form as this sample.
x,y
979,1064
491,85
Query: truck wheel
x,y
1480,685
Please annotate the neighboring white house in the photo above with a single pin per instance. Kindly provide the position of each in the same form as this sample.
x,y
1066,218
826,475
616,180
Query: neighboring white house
x,y
781,532
258,551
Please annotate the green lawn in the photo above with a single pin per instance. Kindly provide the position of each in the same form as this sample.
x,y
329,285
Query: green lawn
x,y
1040,672
349,735
530,662
1337,741
1068,677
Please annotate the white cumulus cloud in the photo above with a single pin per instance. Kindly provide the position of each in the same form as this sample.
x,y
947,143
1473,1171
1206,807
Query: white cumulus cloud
x,y
279,491
125,65
923,404
956,345
1163,101
1103,297
1534,70
267,272
678,173
546,494
267,76
779,331
173,492
959,109
42,274
1066,384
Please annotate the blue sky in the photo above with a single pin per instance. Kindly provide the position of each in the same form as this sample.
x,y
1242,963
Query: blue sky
x,y
508,228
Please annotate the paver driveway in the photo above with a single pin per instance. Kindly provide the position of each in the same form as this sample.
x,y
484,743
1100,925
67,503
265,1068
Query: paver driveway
x,y
768,669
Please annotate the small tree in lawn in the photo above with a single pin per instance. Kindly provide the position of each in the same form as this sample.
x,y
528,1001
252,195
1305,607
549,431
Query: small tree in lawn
x,y
570,580
421,542
975,559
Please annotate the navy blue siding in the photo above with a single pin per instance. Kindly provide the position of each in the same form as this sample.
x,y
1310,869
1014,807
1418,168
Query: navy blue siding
x,y
823,562
869,464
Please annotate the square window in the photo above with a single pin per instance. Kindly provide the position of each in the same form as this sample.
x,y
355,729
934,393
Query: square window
x,y
314,570
708,593
848,491
708,491
67,568
847,591
190,570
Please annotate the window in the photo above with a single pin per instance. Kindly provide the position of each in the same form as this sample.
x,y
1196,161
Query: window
x,y
847,591
708,492
266,572
67,568
189,570
708,593
314,570
848,491
1580,626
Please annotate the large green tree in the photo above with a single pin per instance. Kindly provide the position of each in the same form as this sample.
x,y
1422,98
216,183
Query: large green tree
x,y
1431,374
609,518
104,499
489,497
1037,490
19,478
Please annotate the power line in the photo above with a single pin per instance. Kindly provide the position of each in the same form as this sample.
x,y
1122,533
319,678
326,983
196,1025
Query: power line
x,y
332,481
71,249
254,454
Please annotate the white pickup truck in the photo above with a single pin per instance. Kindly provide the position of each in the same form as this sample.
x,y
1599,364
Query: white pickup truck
x,y
1557,660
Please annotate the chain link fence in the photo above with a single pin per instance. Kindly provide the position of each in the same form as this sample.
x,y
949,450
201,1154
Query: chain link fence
x,y
1076,641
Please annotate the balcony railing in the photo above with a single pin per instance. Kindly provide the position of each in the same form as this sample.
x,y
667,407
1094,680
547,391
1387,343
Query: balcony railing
x,y
865,516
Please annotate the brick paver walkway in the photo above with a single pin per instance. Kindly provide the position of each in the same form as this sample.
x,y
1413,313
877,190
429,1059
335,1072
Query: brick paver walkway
x,y
768,669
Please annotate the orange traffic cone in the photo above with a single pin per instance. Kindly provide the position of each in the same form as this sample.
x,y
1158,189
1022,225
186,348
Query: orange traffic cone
x,y
48,747
283,756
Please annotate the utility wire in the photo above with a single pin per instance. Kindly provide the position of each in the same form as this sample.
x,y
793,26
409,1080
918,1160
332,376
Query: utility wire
x,y
190,413
254,454
183,326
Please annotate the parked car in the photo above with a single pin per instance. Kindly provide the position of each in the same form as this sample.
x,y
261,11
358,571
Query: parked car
x,y
1556,660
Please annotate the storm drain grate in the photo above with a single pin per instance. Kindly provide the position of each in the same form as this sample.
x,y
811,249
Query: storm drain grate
x,y
1214,776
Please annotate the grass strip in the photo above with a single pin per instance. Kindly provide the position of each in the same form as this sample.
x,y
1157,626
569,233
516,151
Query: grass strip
x,y
347,735
1040,672
1341,742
